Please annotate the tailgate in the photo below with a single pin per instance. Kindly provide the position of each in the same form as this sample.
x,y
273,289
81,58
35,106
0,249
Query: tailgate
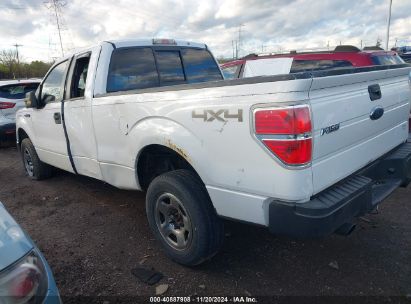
x,y
350,129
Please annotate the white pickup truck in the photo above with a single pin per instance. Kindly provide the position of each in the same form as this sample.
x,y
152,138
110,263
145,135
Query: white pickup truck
x,y
302,154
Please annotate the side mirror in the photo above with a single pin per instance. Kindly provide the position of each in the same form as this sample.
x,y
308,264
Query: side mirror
x,y
31,100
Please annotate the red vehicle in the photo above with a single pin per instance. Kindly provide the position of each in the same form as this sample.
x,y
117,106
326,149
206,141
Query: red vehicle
x,y
344,56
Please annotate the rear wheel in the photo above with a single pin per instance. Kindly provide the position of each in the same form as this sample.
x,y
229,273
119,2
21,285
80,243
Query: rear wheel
x,y
182,217
34,167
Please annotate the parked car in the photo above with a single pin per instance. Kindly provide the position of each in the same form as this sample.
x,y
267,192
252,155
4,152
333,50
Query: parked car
x,y
303,156
404,52
344,56
25,276
12,93
260,67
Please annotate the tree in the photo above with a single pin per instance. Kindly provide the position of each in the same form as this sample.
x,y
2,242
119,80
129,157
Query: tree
x,y
39,68
8,58
379,42
11,69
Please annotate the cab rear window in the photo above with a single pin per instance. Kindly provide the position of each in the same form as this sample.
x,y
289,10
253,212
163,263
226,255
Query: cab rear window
x,y
17,91
170,67
147,67
200,66
132,69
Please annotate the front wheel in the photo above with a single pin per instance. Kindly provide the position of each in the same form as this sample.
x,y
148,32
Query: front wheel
x,y
182,217
34,167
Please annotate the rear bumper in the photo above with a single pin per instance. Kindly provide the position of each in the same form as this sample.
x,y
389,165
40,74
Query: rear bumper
x,y
7,132
343,202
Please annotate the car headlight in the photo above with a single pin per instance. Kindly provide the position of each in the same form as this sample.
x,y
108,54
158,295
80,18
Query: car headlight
x,y
24,282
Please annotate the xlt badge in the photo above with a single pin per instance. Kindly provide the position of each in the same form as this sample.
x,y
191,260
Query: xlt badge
x,y
330,129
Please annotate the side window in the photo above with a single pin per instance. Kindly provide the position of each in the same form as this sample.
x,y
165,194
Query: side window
x,y
318,65
341,64
79,78
132,69
200,66
53,87
170,67
231,72
386,59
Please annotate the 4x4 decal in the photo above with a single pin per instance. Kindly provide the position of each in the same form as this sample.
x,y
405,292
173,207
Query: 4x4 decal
x,y
219,115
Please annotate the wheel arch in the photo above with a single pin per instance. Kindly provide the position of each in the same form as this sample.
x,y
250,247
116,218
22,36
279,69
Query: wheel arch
x,y
20,135
156,159
161,136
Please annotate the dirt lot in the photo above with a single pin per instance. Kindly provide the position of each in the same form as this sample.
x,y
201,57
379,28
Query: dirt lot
x,y
93,234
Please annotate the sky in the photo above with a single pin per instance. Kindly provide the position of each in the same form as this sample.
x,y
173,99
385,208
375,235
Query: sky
x,y
265,25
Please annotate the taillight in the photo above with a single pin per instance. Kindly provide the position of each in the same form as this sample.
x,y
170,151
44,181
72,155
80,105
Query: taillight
x,y
25,281
283,121
6,105
286,132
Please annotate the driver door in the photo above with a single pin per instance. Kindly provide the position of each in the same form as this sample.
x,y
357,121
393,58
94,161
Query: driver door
x,y
50,141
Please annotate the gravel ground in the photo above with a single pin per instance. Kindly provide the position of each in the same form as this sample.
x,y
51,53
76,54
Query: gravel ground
x,y
93,234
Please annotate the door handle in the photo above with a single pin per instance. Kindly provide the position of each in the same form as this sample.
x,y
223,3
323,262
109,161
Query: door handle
x,y
376,113
57,118
375,91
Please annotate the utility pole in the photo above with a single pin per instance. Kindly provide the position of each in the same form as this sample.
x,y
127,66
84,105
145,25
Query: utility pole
x,y
18,58
232,45
56,8
55,3
17,51
388,27
239,39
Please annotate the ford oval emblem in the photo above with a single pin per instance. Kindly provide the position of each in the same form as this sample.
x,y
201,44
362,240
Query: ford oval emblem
x,y
377,113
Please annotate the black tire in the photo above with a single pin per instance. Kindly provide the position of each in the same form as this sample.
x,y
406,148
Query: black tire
x,y
34,167
196,213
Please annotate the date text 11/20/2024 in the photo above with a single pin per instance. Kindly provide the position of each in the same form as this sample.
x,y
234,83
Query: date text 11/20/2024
x,y
203,299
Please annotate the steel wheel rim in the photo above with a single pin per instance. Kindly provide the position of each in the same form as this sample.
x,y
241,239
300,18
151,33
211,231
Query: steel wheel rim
x,y
173,221
28,162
